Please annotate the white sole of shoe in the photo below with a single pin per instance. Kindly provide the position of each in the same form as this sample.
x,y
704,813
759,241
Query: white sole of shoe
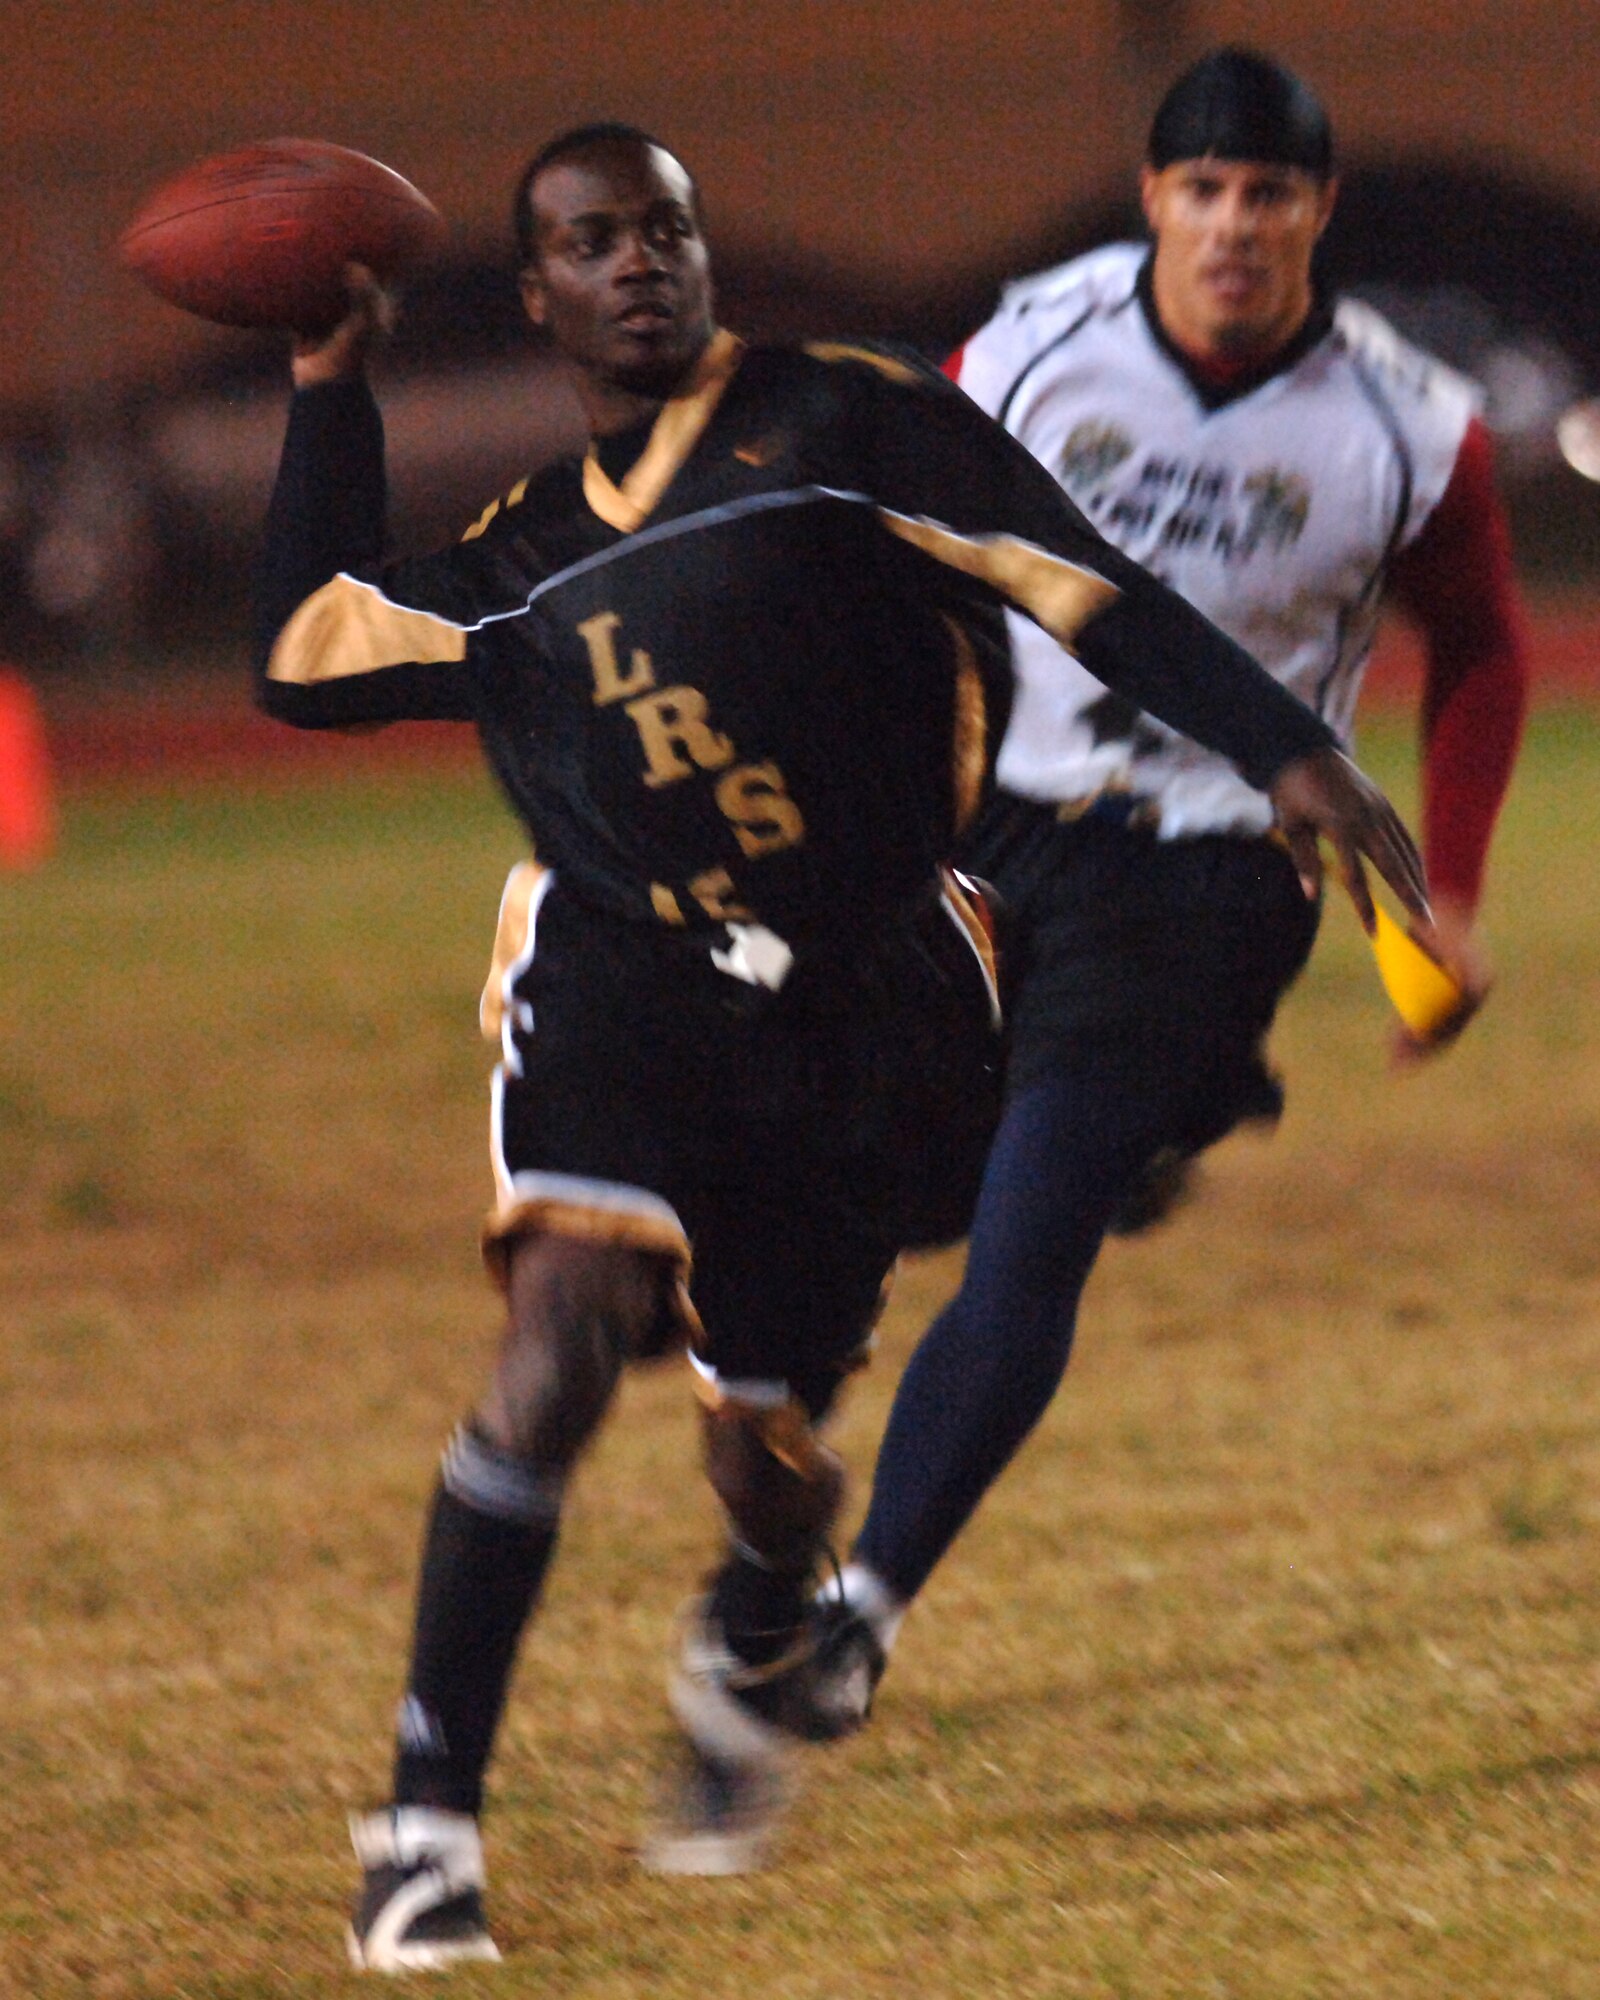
x,y
421,1957
703,1853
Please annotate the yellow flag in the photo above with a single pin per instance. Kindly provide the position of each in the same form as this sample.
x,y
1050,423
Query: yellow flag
x,y
1424,995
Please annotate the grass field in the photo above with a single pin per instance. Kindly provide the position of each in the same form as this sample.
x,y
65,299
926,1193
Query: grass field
x,y
1272,1670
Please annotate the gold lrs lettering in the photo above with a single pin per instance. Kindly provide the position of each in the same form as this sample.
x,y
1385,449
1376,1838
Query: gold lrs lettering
x,y
677,738
765,818
665,904
713,891
611,683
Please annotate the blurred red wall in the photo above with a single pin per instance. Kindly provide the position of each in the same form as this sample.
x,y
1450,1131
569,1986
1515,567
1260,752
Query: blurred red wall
x,y
906,136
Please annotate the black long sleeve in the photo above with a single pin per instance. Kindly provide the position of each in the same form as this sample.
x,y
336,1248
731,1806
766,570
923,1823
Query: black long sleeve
x,y
936,458
324,532
329,505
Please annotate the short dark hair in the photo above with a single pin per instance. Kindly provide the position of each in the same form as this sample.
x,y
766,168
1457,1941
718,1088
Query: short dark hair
x,y
594,137
1236,104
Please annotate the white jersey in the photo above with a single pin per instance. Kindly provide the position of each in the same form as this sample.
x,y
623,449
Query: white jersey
x,y
1277,514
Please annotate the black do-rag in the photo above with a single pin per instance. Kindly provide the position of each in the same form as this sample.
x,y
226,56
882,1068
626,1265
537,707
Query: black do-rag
x,y
1237,105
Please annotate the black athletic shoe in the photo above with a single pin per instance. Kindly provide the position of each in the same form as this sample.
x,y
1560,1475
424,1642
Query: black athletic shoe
x,y
421,1902
1165,1184
841,1677
733,1778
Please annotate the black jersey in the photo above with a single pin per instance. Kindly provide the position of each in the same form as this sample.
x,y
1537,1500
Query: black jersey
x,y
746,664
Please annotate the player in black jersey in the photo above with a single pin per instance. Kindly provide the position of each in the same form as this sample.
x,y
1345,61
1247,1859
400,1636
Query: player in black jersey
x,y
738,669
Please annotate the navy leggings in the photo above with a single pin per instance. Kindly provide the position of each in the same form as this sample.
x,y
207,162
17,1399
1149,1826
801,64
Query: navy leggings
x,y
1067,1150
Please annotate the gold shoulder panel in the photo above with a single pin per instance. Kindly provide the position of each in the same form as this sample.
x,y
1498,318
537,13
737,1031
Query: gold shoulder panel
x,y
350,628
1060,595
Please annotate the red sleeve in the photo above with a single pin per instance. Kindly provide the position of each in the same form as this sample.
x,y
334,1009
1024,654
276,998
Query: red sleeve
x,y
952,365
1456,582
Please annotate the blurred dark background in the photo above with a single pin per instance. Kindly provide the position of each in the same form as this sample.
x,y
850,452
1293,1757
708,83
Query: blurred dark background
x,y
871,168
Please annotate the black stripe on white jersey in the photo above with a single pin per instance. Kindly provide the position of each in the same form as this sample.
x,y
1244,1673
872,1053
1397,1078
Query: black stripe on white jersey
x,y
1052,346
1367,383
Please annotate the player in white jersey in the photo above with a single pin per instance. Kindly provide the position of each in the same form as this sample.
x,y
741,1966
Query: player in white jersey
x,y
1282,462
1277,511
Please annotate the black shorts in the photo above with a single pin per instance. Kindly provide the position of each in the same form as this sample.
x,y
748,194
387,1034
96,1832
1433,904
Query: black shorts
x,y
1158,962
777,1148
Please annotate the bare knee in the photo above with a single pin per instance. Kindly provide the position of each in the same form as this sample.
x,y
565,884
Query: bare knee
x,y
577,1311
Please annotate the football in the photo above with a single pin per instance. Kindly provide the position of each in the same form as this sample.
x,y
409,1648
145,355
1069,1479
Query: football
x,y
261,236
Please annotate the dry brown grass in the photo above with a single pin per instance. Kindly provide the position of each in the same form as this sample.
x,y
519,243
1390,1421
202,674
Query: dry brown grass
x,y
1273,1669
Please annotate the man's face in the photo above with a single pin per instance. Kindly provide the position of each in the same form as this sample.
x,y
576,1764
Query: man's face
x,y
621,278
1233,251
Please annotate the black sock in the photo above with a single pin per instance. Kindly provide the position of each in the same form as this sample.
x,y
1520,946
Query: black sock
x,y
491,1533
759,1608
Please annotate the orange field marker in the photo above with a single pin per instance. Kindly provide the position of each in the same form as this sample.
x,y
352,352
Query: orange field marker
x,y
27,809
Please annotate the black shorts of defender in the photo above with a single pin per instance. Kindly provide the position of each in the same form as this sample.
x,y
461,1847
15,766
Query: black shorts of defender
x,y
1157,964
778,1148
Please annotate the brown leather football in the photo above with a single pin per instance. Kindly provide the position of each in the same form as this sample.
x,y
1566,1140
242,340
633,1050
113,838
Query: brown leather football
x,y
261,236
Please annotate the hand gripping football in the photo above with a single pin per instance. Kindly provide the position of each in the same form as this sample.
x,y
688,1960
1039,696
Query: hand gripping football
x,y
261,236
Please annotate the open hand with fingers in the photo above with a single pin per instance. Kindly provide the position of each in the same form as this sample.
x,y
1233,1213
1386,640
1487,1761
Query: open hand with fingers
x,y
1324,796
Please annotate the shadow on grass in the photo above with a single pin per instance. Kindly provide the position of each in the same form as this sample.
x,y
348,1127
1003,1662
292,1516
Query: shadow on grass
x,y
984,1714
1397,1792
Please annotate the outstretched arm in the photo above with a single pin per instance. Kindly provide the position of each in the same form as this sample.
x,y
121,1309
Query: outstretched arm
x,y
953,483
1456,582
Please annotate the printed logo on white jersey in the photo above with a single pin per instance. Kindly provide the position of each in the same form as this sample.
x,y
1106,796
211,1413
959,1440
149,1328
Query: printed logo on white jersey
x,y
1093,450
1164,502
